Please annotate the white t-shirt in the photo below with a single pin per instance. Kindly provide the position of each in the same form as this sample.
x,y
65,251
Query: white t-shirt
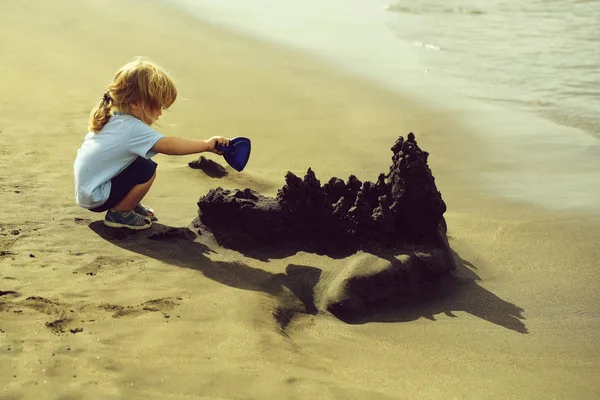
x,y
103,155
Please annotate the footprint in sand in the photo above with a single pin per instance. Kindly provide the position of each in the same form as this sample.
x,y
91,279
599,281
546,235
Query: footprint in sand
x,y
68,318
66,315
158,305
104,263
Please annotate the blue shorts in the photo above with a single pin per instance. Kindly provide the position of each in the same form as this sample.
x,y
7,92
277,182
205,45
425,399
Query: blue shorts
x,y
138,172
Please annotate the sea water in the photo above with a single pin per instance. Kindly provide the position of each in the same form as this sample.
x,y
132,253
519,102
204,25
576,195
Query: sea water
x,y
537,57
541,56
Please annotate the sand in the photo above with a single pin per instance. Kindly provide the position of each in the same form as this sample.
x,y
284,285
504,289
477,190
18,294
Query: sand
x,y
83,316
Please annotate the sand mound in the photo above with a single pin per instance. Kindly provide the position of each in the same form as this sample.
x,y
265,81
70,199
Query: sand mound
x,y
398,221
402,208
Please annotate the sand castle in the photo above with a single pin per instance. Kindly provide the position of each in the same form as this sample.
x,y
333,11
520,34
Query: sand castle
x,y
402,208
399,219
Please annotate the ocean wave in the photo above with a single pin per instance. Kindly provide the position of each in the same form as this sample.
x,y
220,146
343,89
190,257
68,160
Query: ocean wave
x,y
431,9
514,52
428,46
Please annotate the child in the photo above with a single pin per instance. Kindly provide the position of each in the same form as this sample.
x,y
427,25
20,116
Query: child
x,y
113,167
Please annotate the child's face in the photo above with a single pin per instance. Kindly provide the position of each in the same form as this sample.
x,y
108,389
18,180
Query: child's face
x,y
153,116
148,115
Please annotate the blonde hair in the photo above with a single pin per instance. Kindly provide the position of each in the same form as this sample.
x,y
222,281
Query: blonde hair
x,y
137,82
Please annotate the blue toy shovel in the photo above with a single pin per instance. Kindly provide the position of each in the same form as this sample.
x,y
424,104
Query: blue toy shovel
x,y
237,153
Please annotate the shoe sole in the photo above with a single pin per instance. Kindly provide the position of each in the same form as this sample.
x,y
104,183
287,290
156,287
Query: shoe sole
x,y
132,227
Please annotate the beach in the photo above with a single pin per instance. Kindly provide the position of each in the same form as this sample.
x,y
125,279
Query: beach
x,y
83,316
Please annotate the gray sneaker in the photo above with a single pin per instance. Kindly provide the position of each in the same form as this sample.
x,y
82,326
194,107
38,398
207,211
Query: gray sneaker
x,y
126,219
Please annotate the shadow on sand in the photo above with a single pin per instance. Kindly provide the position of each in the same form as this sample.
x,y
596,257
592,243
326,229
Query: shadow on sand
x,y
458,292
181,247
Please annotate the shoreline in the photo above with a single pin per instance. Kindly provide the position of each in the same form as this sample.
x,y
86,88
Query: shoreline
x,y
165,323
519,142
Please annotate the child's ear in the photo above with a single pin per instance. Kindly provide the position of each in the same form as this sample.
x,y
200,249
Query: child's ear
x,y
135,106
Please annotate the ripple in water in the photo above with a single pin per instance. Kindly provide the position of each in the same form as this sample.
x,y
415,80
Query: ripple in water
x,y
541,56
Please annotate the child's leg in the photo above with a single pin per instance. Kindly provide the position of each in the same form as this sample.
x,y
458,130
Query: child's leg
x,y
135,195
130,186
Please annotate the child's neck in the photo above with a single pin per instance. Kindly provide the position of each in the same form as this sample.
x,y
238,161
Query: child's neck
x,y
138,113
116,110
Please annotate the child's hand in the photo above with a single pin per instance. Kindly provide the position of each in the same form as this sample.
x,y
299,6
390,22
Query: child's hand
x,y
214,141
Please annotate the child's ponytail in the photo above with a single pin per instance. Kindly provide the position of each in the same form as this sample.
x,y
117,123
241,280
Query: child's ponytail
x,y
100,114
138,82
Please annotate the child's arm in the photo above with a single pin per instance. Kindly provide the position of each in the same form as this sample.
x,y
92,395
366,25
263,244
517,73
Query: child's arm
x,y
176,146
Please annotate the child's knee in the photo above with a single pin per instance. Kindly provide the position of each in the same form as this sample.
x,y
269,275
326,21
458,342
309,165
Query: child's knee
x,y
151,180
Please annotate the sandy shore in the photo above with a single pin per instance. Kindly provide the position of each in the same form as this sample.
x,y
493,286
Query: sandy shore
x,y
85,317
